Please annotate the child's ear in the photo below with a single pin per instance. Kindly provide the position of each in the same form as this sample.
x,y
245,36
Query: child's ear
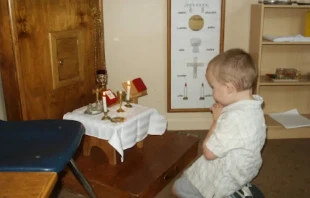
x,y
230,87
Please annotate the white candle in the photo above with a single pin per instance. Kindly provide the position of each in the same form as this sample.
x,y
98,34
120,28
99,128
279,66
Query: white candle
x,y
202,91
128,91
185,90
104,101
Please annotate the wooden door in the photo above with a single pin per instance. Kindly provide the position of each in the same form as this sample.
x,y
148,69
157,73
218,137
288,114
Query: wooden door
x,y
46,56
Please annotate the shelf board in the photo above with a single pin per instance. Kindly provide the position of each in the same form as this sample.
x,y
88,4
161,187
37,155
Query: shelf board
x,y
285,6
276,131
266,81
267,42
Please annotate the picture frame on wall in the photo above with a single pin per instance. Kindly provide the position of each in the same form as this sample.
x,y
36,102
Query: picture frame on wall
x,y
195,34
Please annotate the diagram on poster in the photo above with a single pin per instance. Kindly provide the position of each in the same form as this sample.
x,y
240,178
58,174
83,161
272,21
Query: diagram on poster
x,y
195,36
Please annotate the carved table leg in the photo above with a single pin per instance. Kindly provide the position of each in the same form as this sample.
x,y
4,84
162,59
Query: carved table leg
x,y
140,144
111,153
87,145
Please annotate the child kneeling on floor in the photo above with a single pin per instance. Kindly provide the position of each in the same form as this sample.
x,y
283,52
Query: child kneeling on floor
x,y
232,148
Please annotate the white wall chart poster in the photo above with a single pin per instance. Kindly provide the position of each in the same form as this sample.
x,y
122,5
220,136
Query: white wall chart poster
x,y
195,36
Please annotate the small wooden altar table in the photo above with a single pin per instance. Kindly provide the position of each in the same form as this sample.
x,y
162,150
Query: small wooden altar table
x,y
144,173
27,184
112,155
114,138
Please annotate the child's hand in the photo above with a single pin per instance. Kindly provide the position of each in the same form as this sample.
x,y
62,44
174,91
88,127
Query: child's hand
x,y
216,110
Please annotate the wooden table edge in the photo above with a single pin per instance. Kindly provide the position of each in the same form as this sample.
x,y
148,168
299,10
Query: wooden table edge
x,y
47,190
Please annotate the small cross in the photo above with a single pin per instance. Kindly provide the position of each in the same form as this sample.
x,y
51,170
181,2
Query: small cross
x,y
195,65
96,91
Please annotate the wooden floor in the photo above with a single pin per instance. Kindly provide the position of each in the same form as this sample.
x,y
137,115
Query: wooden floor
x,y
145,171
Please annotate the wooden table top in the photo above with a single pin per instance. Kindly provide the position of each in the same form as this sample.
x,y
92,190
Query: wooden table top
x,y
27,184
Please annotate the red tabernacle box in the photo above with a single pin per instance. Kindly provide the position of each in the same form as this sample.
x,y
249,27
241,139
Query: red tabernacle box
x,y
139,84
111,97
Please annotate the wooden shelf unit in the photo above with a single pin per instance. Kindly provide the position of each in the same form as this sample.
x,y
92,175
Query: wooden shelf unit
x,y
281,20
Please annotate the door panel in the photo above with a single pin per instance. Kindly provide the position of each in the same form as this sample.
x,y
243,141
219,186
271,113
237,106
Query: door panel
x,y
52,78
66,51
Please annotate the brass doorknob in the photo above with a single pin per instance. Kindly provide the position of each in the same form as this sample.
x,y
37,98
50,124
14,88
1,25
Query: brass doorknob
x,y
61,62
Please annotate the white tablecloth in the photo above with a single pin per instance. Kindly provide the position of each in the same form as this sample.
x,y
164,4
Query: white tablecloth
x,y
140,121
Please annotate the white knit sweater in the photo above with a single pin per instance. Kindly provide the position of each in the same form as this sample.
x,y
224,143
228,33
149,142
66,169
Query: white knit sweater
x,y
237,141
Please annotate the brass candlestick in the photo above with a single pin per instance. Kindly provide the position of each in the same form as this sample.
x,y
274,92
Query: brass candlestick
x,y
120,102
128,105
105,116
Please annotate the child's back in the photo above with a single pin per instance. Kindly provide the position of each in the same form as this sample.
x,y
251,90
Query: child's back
x,y
237,141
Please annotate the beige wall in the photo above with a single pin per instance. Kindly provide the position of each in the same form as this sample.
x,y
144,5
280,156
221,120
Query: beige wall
x,y
135,36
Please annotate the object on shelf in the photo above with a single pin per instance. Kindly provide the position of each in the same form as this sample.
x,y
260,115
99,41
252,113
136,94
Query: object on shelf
x,y
285,75
303,2
293,38
291,119
274,78
271,75
276,2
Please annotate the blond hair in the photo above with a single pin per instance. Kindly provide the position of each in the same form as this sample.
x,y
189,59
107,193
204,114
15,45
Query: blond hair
x,y
235,66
